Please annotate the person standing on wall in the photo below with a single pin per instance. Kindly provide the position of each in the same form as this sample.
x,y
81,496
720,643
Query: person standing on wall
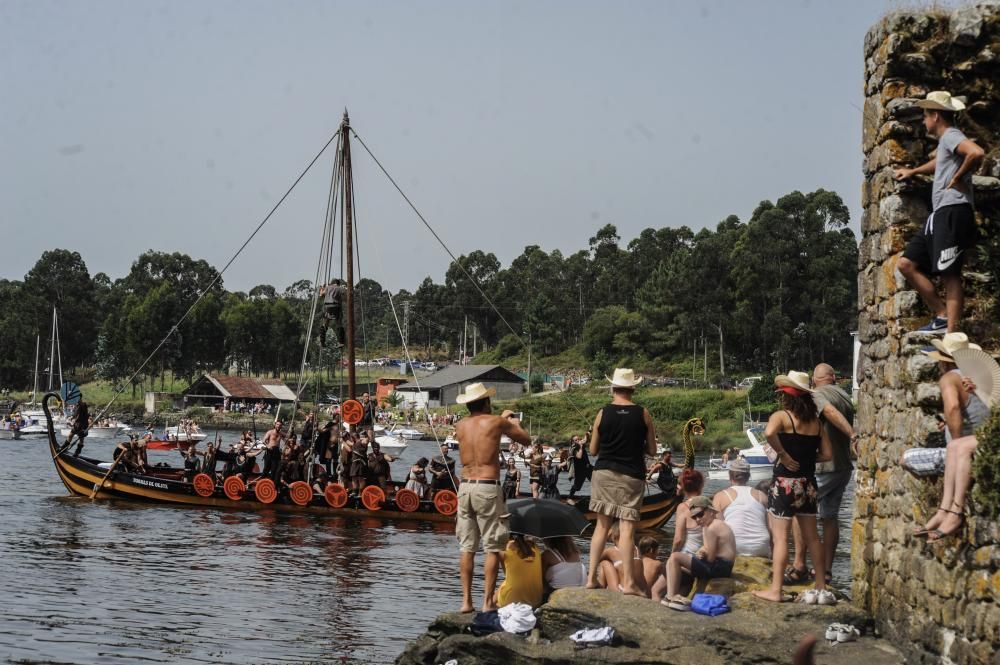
x,y
623,434
939,249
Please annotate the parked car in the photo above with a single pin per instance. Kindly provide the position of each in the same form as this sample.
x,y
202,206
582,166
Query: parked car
x,y
748,382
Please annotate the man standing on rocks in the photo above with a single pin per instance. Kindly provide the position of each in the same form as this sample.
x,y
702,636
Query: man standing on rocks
x,y
939,249
623,434
837,415
481,505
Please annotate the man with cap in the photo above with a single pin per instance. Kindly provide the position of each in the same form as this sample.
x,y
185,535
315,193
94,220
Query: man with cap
x,y
481,506
744,510
939,249
714,559
622,435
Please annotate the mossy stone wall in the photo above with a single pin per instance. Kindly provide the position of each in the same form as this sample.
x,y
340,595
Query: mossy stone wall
x,y
940,602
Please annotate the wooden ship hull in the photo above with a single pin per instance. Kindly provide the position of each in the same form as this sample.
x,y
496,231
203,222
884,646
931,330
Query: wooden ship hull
x,y
85,476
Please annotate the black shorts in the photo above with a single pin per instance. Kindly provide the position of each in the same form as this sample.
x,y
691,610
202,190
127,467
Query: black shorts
x,y
789,497
705,570
939,248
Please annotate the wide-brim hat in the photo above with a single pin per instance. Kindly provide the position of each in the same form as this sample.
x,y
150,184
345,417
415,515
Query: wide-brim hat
x,y
939,100
739,465
947,345
475,392
798,380
980,367
624,378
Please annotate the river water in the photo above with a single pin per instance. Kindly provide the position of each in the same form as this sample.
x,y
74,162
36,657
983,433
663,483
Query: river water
x,y
114,582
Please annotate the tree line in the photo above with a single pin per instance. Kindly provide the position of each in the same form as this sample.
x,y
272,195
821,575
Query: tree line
x,y
774,292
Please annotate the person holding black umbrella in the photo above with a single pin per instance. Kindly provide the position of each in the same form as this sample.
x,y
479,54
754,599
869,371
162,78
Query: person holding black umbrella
x,y
623,434
481,503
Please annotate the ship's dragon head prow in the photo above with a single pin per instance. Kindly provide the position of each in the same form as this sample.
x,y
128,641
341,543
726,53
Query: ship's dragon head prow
x,y
695,426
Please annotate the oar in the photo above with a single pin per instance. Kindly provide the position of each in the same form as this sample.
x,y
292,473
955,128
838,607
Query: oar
x,y
98,488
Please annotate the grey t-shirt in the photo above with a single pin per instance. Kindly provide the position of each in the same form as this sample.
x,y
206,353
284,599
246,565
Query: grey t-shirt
x,y
946,165
334,295
840,442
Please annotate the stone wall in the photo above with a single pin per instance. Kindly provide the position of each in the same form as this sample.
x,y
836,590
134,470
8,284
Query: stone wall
x,y
939,601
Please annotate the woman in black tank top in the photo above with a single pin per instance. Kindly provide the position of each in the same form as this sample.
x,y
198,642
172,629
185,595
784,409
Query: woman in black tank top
x,y
798,436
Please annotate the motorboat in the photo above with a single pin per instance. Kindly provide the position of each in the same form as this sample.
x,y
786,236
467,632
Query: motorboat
x,y
407,433
109,431
189,433
391,444
756,456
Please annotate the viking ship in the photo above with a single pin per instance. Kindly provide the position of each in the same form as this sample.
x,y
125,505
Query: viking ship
x,y
94,478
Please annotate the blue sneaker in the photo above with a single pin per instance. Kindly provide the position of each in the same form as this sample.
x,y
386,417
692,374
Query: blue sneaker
x,y
938,326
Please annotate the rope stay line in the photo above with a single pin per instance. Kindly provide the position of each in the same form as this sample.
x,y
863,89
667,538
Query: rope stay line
x,y
441,242
326,248
173,329
455,260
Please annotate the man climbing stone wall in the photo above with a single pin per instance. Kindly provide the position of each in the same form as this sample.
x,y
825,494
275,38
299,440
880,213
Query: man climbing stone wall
x,y
939,601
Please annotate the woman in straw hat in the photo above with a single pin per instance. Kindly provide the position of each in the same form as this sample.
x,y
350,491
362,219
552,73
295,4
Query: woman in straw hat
x,y
964,411
939,249
798,437
623,434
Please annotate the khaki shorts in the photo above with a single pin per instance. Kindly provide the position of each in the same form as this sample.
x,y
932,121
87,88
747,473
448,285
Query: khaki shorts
x,y
479,518
616,495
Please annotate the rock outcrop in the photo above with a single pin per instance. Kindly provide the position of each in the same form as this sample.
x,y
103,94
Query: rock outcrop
x,y
755,631
938,601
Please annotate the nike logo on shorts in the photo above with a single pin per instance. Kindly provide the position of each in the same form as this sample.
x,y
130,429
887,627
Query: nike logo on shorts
x,y
947,257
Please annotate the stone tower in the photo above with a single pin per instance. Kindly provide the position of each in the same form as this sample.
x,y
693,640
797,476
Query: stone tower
x,y
940,602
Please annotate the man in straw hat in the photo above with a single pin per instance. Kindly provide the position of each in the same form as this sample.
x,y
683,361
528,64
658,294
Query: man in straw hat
x,y
964,410
481,504
623,434
939,248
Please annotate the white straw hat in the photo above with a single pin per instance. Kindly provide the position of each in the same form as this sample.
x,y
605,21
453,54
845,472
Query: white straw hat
x,y
947,345
474,392
793,379
624,378
939,100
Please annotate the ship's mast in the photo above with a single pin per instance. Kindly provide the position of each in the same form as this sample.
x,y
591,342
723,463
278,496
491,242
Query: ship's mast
x,y
348,200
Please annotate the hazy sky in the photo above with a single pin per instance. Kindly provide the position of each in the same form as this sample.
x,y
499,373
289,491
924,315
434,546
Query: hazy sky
x,y
175,126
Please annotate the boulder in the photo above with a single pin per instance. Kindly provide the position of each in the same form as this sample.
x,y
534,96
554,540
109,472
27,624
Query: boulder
x,y
755,631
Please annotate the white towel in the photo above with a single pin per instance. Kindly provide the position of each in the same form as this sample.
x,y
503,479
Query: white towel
x,y
516,618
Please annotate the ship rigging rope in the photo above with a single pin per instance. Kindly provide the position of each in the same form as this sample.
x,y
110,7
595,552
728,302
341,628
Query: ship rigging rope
x,y
325,260
455,260
173,329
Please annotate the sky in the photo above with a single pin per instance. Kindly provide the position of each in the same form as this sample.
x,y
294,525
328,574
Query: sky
x,y
176,126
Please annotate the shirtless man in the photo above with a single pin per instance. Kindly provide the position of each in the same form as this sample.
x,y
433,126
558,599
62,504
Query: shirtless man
x,y
714,559
481,503
272,451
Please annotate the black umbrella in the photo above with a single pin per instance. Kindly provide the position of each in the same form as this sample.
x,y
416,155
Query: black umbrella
x,y
545,518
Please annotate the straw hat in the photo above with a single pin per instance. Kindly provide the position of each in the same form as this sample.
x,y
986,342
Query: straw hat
x,y
474,392
939,100
947,346
799,380
624,378
980,367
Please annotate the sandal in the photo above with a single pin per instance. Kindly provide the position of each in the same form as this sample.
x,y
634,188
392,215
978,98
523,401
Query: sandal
x,y
795,576
827,576
938,534
923,532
